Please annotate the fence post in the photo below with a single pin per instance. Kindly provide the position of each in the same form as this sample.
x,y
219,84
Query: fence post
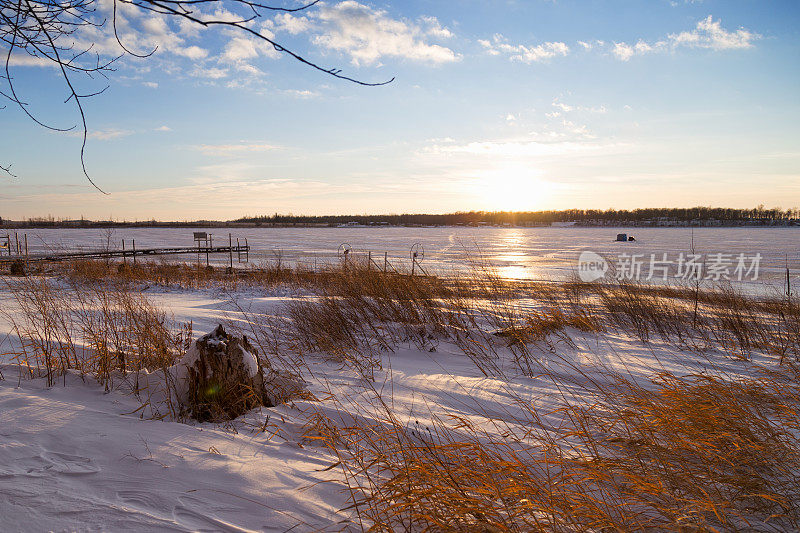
x,y
230,251
134,251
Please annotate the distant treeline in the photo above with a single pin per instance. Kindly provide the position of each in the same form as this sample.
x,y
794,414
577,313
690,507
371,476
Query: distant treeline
x,y
649,216
687,215
51,222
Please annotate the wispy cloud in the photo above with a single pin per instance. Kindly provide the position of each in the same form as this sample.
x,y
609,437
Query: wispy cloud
x,y
302,94
517,149
227,150
104,135
567,108
369,35
211,73
498,45
707,33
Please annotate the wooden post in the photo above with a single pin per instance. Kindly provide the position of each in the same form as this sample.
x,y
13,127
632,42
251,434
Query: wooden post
x,y
26,246
413,264
369,261
124,260
16,238
385,262
209,244
230,251
133,245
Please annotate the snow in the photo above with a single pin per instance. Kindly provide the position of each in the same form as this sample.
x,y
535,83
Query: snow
x,y
539,253
73,457
251,361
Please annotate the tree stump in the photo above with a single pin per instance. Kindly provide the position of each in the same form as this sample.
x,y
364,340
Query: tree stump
x,y
225,378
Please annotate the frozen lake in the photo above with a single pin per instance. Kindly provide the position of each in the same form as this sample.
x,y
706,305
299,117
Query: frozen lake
x,y
533,253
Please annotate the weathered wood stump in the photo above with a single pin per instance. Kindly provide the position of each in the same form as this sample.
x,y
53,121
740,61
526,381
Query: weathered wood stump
x,y
225,378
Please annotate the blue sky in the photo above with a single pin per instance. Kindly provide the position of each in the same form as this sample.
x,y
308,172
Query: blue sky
x,y
521,105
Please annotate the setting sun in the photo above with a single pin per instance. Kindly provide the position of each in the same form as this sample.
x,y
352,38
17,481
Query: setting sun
x,y
513,189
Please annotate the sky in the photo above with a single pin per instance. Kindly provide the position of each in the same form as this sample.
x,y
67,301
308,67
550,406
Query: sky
x,y
495,105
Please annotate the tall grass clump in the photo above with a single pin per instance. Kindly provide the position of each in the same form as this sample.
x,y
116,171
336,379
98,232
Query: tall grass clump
x,y
185,275
93,329
736,324
360,314
680,453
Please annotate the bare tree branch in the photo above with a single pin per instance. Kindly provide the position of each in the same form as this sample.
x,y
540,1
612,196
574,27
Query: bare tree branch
x,y
41,30
7,170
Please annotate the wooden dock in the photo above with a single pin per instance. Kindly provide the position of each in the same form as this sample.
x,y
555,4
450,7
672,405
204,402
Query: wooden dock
x,y
105,254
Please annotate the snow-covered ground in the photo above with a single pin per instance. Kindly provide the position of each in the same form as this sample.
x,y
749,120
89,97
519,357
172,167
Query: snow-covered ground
x,y
74,457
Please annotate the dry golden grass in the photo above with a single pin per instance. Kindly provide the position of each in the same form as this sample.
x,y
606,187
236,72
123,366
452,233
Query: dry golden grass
x,y
736,324
679,453
696,452
684,454
94,329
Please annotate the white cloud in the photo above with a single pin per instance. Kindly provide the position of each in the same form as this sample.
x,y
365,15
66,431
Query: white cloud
x,y
192,52
566,108
291,24
163,128
104,135
623,51
513,151
434,28
708,33
526,54
22,59
209,73
239,49
368,35
150,84
562,106
303,94
223,150
248,69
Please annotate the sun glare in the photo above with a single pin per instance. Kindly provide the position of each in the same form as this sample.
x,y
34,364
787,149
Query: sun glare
x,y
514,189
